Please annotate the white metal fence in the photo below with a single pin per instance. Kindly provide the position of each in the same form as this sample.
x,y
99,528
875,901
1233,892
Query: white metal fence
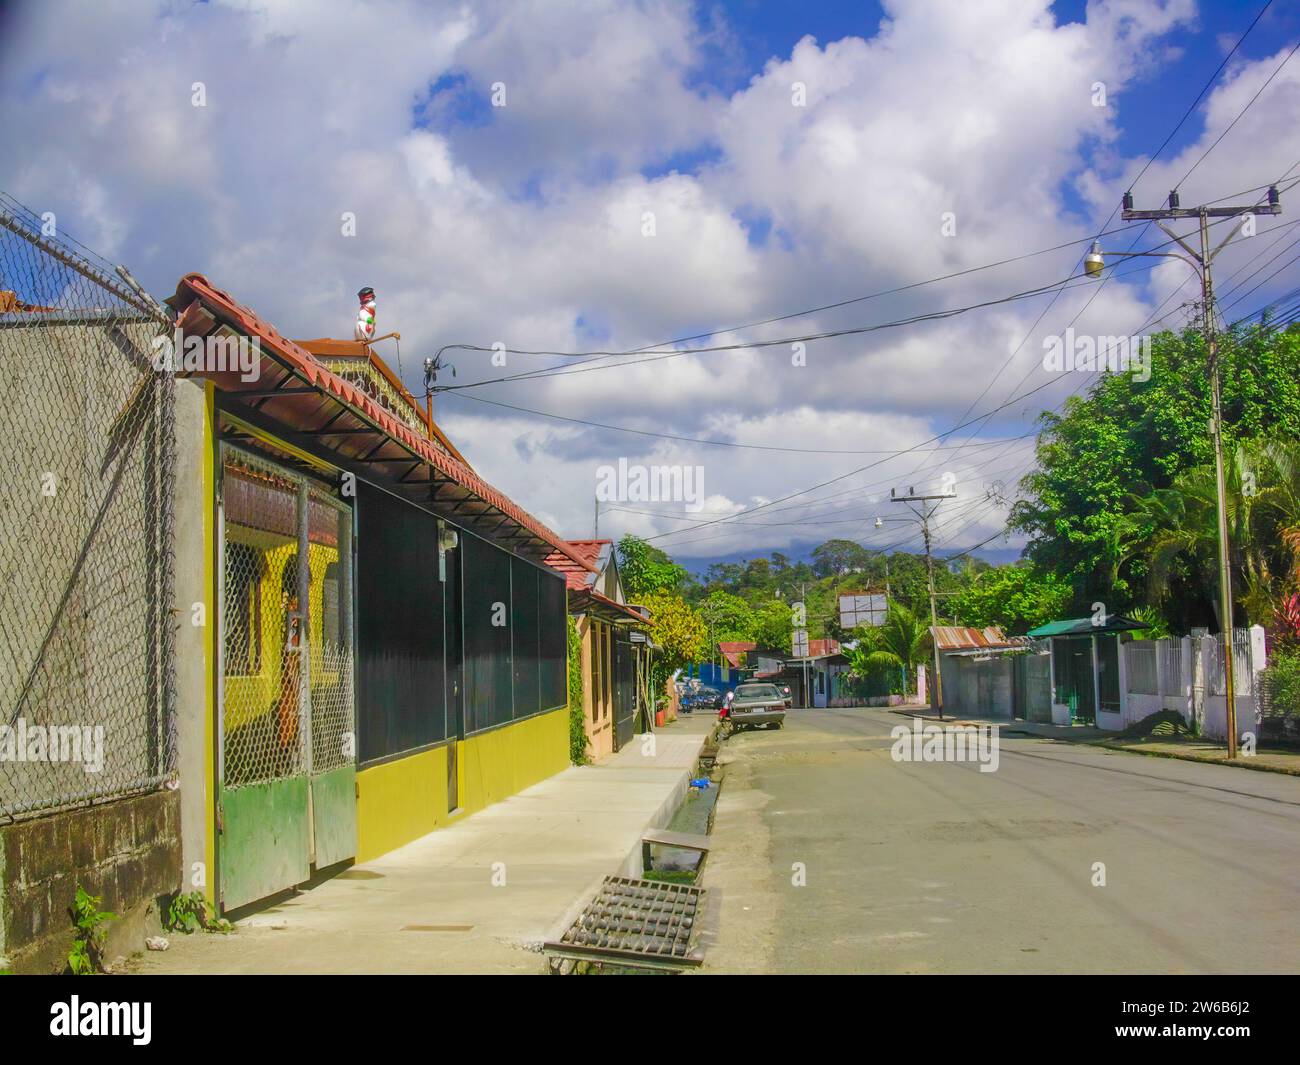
x,y
1187,674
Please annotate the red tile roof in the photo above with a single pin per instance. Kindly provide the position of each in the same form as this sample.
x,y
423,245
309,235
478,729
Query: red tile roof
x,y
579,579
195,288
579,565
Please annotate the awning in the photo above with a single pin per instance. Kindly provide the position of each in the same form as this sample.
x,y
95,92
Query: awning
x,y
296,399
1088,626
587,601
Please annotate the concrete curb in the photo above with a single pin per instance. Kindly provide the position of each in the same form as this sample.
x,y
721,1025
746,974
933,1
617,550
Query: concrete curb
x,y
1240,763
630,866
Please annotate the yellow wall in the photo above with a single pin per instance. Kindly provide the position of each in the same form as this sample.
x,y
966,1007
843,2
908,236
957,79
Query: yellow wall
x,y
405,799
249,696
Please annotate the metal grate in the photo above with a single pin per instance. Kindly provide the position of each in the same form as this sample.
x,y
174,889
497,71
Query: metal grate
x,y
640,923
86,633
329,554
286,634
260,623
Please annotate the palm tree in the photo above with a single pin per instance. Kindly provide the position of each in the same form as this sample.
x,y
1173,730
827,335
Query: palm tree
x,y
1282,498
1176,528
902,642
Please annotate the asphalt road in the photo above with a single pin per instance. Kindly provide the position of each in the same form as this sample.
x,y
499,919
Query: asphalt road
x,y
938,867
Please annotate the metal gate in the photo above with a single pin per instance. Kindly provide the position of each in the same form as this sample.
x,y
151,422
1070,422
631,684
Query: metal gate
x,y
287,757
1075,678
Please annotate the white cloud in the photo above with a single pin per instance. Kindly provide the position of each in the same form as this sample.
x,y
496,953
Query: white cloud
x,y
524,224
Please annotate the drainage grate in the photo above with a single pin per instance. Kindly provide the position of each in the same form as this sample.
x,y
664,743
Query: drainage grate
x,y
641,923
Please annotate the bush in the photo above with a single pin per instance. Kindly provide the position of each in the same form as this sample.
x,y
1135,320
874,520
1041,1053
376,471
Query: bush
x,y
1279,686
577,721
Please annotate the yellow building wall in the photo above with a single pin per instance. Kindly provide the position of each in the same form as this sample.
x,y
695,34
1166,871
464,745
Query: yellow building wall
x,y
402,800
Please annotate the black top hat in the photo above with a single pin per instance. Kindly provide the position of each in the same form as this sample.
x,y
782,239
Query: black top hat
x,y
366,293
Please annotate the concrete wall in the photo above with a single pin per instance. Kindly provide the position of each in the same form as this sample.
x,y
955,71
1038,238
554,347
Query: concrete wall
x,y
402,800
126,851
195,647
982,689
1178,687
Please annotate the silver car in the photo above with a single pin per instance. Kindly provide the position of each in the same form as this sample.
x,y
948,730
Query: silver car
x,y
757,704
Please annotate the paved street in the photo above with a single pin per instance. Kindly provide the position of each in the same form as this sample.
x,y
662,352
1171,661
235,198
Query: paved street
x,y
938,867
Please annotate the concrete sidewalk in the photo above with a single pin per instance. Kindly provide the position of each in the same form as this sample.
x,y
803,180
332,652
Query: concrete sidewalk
x,y
1184,748
478,896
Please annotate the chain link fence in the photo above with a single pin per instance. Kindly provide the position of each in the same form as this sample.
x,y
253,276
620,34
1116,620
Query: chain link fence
x,y
86,631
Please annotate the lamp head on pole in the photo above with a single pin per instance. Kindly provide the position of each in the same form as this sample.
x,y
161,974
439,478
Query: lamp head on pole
x,y
1093,262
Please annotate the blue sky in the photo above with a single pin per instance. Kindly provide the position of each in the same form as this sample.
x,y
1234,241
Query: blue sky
x,y
651,175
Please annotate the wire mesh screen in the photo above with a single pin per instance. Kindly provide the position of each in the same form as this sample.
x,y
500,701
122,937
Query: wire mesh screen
x,y
287,704
489,688
329,556
401,620
86,636
261,626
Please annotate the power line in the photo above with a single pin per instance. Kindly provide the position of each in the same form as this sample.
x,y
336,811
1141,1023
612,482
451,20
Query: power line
x,y
693,439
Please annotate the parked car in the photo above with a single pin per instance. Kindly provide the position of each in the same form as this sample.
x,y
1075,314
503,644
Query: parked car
x,y
708,699
757,704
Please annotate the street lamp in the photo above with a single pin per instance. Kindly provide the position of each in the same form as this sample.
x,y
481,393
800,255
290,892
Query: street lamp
x,y
1093,263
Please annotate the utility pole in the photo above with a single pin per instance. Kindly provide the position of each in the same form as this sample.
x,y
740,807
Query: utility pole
x,y
431,370
924,514
1202,260
803,592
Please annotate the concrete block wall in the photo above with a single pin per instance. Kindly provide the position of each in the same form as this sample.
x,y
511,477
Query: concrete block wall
x,y
127,851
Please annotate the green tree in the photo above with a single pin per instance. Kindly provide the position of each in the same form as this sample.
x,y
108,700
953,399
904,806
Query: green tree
x,y
837,557
1128,439
728,616
645,570
1175,530
901,643
578,753
680,633
772,625
1015,598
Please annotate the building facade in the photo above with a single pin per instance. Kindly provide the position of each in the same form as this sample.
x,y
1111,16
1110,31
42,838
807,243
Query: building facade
x,y
616,698
388,648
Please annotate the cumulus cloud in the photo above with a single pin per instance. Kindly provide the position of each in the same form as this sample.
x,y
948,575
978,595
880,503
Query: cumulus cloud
x,y
621,198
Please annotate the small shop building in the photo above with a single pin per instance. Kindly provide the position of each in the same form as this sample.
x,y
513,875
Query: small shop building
x,y
387,646
616,697
1088,666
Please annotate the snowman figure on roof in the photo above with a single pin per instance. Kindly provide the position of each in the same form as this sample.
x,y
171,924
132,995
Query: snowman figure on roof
x,y
365,329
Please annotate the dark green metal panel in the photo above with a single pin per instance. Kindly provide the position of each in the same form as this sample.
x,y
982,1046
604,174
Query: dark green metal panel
x,y
264,840
334,815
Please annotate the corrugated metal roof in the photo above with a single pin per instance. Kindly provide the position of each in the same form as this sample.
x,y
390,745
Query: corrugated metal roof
x,y
958,638
734,651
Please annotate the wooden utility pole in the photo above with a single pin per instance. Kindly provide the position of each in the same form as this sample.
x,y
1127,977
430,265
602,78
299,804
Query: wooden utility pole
x,y
929,504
